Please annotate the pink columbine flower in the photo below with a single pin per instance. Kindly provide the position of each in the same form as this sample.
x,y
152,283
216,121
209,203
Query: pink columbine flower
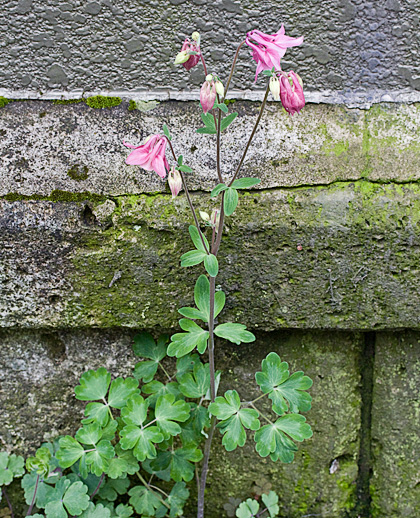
x,y
208,94
150,155
190,46
268,49
291,93
174,181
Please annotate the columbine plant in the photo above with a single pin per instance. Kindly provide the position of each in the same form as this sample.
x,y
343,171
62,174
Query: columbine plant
x,y
141,440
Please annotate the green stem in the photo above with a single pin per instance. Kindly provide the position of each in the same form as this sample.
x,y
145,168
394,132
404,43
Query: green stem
x,y
165,371
260,413
252,134
143,481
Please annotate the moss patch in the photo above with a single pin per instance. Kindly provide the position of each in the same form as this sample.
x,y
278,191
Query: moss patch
x,y
78,172
100,101
4,101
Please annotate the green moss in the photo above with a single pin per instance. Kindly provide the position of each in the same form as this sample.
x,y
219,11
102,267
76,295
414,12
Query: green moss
x,y
78,172
132,106
100,101
143,106
56,196
67,101
4,101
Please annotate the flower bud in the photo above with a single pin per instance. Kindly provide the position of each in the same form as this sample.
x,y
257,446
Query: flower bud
x,y
291,93
275,88
215,218
220,89
208,94
204,216
195,36
174,181
182,57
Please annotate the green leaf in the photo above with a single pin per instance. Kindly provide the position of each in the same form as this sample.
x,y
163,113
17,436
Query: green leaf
x,y
267,73
96,511
193,313
144,501
121,390
11,466
180,159
271,502
128,457
186,364
146,370
221,106
245,183
157,389
44,490
234,420
141,440
272,440
135,412
192,258
180,462
206,131
96,413
117,467
196,384
235,333
228,120
248,509
67,498
112,488
275,381
98,460
196,239
211,265
202,296
218,189
177,499
124,511
184,169
166,132
70,451
168,411
184,343
146,347
208,120
231,200
89,434
93,385
219,302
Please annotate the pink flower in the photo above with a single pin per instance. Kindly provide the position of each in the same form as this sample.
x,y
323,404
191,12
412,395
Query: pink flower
x,y
291,93
150,155
191,46
208,94
174,181
268,49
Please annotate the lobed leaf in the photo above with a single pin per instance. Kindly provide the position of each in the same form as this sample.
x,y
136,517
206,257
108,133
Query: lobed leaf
x,y
184,343
235,333
93,385
11,466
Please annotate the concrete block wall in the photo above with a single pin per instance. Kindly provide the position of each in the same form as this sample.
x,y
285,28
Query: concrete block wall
x,y
320,261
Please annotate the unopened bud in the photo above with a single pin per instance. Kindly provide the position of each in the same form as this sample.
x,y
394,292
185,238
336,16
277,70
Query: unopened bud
x,y
208,94
220,89
215,218
174,181
182,57
275,87
209,77
195,36
204,216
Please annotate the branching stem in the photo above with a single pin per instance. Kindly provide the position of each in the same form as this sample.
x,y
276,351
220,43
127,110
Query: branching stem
x,y
143,481
98,486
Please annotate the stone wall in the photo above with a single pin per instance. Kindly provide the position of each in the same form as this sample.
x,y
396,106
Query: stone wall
x,y
320,260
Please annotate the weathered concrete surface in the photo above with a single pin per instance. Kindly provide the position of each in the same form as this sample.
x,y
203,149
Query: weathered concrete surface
x,y
38,371
46,147
349,45
395,484
322,479
339,257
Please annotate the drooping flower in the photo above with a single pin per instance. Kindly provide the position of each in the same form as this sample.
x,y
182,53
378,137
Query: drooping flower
x,y
185,57
268,49
208,94
291,92
150,155
174,181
